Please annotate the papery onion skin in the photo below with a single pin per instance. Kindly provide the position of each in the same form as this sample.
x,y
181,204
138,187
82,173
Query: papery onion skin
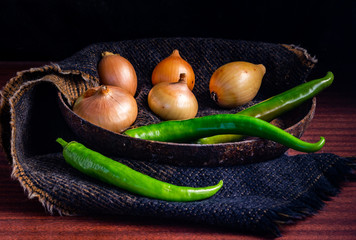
x,y
116,70
109,107
236,83
169,69
173,101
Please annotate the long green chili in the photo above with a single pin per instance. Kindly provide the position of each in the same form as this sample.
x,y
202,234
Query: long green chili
x,y
107,170
275,106
191,129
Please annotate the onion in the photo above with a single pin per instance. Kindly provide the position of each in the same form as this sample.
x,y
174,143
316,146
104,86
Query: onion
x,y
173,101
236,83
109,107
170,68
116,70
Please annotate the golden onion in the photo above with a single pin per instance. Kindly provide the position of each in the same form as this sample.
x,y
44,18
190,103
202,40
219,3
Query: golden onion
x,y
116,70
236,83
173,101
109,107
170,68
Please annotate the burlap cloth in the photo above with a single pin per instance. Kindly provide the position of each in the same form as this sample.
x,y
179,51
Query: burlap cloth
x,y
255,198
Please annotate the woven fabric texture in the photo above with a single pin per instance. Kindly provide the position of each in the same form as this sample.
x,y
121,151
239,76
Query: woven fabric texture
x,y
255,197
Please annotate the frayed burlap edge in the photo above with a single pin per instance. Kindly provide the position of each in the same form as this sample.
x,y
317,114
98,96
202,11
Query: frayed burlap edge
x,y
19,86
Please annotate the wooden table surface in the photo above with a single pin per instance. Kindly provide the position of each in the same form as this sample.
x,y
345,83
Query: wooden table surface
x,y
335,119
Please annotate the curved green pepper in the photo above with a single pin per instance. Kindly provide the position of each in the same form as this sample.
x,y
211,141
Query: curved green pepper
x,y
107,170
275,106
191,129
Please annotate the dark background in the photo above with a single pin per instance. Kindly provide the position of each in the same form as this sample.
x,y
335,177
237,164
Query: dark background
x,y
40,30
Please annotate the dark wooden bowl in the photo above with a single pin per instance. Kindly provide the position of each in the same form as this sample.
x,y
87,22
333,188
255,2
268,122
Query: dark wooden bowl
x,y
287,66
247,151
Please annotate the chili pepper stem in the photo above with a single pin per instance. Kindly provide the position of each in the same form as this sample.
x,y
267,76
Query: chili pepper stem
x,y
62,142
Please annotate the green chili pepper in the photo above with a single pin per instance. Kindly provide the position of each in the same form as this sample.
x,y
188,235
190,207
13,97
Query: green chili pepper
x,y
277,105
191,129
107,170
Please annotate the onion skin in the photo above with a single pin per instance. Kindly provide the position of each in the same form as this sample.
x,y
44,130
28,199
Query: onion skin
x,y
236,83
109,107
116,70
170,68
173,101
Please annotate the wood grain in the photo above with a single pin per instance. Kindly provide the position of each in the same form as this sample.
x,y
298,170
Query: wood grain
x,y
335,119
